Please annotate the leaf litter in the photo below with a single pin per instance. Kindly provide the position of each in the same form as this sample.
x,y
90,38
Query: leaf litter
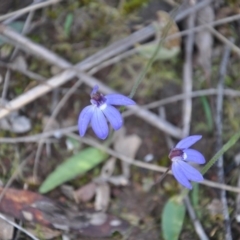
x,y
75,44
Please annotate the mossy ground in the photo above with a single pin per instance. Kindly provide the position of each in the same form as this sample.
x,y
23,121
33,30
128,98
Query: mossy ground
x,y
77,29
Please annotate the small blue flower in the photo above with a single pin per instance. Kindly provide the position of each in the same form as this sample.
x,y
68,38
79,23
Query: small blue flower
x,y
180,155
101,109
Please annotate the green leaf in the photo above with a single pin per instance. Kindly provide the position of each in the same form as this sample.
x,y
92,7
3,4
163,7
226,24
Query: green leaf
x,y
67,24
208,112
72,167
172,218
195,193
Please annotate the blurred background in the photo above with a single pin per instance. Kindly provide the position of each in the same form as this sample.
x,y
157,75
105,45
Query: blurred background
x,y
183,59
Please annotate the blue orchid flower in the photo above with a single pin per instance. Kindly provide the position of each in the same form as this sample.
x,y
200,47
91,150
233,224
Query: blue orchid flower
x,y
102,110
180,156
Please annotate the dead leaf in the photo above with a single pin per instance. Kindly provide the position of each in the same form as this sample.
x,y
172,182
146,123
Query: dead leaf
x,y
35,208
119,134
55,70
127,145
65,237
237,210
215,207
102,196
44,232
68,191
171,47
50,123
237,159
6,229
110,225
108,168
20,62
33,181
85,193
119,180
15,123
99,186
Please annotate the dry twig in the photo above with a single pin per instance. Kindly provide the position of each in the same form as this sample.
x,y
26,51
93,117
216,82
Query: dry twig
x,y
197,224
71,72
178,97
221,178
52,117
29,9
162,114
142,164
139,163
13,55
133,51
187,77
14,175
18,227
28,73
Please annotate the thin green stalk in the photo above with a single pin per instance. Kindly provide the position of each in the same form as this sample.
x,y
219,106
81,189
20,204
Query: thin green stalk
x,y
152,59
225,148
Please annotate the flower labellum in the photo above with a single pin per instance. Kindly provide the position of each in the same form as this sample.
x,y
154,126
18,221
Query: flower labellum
x,y
102,110
180,156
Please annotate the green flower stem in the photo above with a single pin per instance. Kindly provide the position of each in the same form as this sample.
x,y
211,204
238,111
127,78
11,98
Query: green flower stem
x,y
225,148
152,59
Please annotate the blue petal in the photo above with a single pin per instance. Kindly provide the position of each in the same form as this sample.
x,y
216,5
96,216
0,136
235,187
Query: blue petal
x,y
99,124
84,119
190,172
179,175
194,156
119,99
113,116
188,141
94,90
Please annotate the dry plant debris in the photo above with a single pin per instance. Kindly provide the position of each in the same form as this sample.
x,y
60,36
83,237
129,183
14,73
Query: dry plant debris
x,y
31,207
45,46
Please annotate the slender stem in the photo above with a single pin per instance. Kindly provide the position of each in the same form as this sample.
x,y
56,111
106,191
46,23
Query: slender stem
x,y
159,180
225,148
152,59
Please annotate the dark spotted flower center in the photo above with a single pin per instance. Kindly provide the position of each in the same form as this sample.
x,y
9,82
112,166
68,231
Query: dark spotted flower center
x,y
176,153
98,99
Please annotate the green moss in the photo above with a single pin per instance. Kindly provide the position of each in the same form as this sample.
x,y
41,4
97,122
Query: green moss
x,y
130,6
124,74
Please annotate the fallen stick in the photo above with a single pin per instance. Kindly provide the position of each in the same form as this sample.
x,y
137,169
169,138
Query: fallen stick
x,y
65,76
